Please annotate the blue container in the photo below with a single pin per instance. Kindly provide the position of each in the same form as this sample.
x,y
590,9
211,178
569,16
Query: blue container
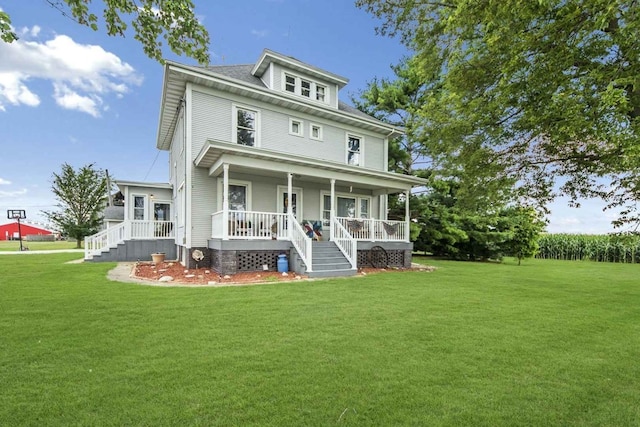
x,y
283,263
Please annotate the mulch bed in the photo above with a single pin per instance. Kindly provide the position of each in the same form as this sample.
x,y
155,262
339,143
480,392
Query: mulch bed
x,y
205,276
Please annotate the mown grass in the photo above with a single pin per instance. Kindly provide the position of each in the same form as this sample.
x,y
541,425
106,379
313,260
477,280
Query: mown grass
x,y
547,343
14,245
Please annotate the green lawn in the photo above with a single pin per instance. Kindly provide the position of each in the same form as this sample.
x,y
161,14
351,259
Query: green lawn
x,y
547,343
14,245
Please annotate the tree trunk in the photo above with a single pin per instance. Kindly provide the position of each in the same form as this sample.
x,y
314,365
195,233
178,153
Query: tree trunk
x,y
78,243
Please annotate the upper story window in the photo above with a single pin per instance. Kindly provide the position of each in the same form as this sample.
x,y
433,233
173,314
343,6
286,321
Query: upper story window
x,y
290,83
315,132
246,126
354,150
305,87
296,127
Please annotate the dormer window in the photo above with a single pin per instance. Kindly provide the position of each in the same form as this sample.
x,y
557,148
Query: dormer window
x,y
320,91
304,87
290,83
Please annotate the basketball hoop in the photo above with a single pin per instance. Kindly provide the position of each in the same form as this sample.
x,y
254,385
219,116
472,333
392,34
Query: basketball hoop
x,y
16,214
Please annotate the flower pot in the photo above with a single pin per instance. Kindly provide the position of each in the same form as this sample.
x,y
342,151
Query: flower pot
x,y
158,257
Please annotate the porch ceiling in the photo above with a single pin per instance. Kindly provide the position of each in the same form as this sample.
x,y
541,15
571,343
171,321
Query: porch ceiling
x,y
254,160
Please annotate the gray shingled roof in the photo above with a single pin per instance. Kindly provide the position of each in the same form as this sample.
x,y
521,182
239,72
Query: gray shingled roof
x,y
238,72
243,73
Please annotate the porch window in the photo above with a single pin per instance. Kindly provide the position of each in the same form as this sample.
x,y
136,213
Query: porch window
x,y
364,208
138,207
246,126
346,207
238,197
326,210
353,150
161,211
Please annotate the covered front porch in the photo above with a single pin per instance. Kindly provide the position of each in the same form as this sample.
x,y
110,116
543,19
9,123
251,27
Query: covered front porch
x,y
265,196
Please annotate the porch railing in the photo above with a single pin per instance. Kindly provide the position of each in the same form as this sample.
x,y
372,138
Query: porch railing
x,y
126,230
250,225
345,242
375,229
301,242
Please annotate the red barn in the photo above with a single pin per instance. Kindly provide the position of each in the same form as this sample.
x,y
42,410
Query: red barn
x,y
9,231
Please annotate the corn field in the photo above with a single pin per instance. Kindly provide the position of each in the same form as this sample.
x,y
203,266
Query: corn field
x,y
601,248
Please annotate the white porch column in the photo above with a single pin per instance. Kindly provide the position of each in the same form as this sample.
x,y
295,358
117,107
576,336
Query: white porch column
x,y
225,201
407,215
289,190
332,210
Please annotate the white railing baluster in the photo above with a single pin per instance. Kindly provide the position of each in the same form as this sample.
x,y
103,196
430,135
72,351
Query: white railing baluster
x,y
345,242
375,229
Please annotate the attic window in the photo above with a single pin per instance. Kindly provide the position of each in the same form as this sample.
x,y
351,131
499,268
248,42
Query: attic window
x,y
320,90
304,87
290,83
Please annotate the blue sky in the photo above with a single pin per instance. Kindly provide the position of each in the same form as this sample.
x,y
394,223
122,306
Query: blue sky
x,y
69,94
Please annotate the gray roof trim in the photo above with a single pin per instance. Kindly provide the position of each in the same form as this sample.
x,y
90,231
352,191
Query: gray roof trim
x,y
269,56
177,75
213,149
164,185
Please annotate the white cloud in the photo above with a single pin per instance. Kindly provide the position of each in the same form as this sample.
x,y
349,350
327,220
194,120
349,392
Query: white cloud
x,y
259,33
81,75
71,100
11,194
4,182
33,31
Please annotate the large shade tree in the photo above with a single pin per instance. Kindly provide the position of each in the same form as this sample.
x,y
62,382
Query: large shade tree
x,y
155,23
81,196
543,93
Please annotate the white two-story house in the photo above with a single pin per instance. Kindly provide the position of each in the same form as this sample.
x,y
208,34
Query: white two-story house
x,y
265,159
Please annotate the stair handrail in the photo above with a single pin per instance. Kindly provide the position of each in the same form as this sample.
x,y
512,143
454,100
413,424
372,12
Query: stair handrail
x,y
345,242
96,243
300,241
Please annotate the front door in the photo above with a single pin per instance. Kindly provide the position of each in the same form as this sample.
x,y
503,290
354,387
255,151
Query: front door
x,y
296,201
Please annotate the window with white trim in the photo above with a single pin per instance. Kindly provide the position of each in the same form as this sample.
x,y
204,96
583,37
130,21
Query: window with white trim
x,y
305,87
239,195
315,132
347,206
326,210
246,126
290,83
320,92
296,127
139,207
354,150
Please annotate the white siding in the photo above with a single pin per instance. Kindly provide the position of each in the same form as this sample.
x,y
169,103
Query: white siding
x,y
374,153
177,174
212,118
204,204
